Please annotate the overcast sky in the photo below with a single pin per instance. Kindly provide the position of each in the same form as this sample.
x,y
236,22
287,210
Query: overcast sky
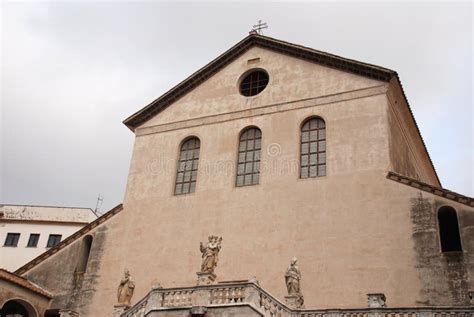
x,y
72,71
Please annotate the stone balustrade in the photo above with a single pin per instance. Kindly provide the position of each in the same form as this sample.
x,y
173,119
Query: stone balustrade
x,y
226,295
178,298
241,295
138,310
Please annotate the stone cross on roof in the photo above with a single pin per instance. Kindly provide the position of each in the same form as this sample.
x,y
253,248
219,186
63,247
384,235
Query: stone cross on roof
x,y
257,28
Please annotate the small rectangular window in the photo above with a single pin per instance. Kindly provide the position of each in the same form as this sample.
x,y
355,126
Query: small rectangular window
x,y
53,240
12,240
33,240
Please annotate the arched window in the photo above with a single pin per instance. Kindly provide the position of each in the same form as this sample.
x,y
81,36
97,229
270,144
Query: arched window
x,y
248,166
84,254
187,166
449,229
313,148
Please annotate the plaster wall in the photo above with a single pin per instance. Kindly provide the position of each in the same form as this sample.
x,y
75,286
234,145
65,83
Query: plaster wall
x,y
402,158
353,230
443,279
336,225
290,79
408,155
57,273
264,226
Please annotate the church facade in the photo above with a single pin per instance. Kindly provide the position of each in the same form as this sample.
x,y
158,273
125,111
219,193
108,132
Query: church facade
x,y
292,181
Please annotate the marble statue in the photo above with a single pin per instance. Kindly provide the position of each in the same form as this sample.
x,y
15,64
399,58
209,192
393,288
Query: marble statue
x,y
125,289
293,279
210,254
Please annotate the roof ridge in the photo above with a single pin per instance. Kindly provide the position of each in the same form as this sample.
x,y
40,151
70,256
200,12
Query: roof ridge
x,y
324,52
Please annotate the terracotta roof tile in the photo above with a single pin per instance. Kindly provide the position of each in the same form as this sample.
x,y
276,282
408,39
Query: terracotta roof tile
x,y
23,282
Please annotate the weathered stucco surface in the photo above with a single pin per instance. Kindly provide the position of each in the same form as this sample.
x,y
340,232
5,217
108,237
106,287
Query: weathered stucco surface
x,y
56,274
10,291
290,79
353,231
444,276
407,151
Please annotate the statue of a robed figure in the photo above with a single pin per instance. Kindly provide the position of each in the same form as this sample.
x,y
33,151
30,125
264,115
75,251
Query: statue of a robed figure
x,y
125,289
292,280
210,256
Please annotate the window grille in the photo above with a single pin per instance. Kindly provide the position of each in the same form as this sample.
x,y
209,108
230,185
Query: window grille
x,y
254,83
248,163
313,148
188,162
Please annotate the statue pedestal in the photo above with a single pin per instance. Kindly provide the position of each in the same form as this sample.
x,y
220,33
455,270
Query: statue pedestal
x,y
198,310
67,313
120,309
205,278
294,301
376,300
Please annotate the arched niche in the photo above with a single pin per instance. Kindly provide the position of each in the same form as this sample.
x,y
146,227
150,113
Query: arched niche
x,y
18,308
84,254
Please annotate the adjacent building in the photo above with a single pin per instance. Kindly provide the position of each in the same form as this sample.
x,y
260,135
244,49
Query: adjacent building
x,y
28,231
293,181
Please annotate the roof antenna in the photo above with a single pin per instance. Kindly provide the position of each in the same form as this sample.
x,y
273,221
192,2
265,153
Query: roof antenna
x,y
98,204
257,28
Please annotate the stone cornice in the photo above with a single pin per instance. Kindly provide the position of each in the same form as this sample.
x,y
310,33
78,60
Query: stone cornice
x,y
438,191
266,109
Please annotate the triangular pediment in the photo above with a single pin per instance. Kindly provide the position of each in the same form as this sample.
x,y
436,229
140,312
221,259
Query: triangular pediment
x,y
295,69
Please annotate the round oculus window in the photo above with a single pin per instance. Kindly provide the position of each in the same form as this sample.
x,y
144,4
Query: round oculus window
x,y
254,83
